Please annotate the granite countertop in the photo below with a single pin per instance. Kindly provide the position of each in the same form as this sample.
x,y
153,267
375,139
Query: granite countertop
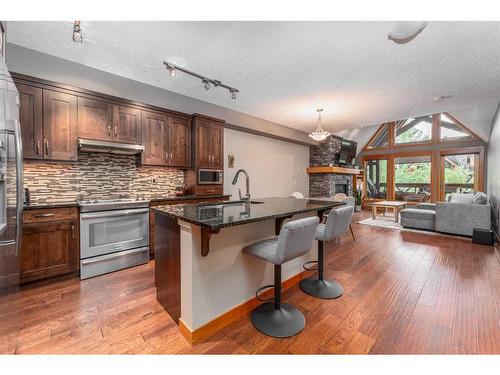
x,y
188,197
39,206
73,203
231,213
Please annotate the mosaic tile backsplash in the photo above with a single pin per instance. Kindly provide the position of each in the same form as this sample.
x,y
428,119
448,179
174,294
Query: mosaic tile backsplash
x,y
98,176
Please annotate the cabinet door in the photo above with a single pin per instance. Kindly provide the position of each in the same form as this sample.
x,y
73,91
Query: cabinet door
x,y
217,146
30,116
126,124
49,249
94,119
154,138
203,153
59,126
179,142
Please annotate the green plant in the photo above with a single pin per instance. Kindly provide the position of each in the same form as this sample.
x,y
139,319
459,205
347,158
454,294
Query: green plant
x,y
358,197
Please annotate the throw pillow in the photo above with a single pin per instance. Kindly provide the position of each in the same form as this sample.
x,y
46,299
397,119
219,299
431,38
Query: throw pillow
x,y
461,198
480,198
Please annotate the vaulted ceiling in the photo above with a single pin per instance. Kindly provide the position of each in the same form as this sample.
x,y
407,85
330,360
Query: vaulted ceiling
x,y
285,70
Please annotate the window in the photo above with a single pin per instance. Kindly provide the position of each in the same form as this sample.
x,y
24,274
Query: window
x,y
459,174
381,139
451,130
414,130
376,178
412,178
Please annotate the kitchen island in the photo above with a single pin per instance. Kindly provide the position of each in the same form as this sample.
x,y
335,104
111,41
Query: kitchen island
x,y
201,275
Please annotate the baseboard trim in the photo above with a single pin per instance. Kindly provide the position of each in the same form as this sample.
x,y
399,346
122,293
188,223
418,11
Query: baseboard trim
x,y
212,327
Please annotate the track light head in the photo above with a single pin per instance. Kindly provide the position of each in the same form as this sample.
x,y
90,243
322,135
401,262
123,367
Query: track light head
x,y
77,32
233,94
206,82
171,70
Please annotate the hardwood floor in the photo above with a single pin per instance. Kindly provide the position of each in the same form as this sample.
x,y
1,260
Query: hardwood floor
x,y
405,292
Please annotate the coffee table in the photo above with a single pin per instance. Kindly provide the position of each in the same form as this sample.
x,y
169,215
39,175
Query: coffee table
x,y
396,207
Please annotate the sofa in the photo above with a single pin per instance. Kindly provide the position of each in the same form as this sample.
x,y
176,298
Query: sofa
x,y
460,215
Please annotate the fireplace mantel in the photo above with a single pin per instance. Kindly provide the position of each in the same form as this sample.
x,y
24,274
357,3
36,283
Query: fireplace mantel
x,y
336,170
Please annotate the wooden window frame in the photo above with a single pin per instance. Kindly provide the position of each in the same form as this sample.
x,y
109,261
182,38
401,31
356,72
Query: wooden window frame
x,y
474,136
377,133
415,144
478,168
389,185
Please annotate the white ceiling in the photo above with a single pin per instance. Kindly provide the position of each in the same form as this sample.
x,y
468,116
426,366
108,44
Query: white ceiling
x,y
285,70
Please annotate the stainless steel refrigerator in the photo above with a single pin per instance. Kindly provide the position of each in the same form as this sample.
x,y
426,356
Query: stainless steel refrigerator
x,y
11,178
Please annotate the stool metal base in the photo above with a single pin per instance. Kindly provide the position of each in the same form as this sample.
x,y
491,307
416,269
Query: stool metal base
x,y
326,289
283,322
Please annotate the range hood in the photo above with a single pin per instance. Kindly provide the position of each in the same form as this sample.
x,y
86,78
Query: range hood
x,y
90,145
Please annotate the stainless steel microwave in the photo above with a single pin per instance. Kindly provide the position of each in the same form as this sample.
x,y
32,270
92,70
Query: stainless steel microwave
x,y
210,177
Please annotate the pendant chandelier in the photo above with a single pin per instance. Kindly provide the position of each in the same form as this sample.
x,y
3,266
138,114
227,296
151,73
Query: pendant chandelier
x,y
319,134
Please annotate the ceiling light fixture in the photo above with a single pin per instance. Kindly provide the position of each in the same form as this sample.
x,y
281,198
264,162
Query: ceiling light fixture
x,y
207,82
319,134
171,70
77,32
405,31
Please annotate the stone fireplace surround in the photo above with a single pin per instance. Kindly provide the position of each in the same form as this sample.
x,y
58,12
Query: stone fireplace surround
x,y
328,184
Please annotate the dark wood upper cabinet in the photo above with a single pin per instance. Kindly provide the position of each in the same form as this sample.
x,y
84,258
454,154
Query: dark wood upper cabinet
x,y
208,145
179,142
217,146
94,119
30,116
59,126
126,124
202,145
154,133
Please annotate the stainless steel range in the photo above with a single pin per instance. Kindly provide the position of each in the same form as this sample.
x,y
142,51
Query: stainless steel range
x,y
114,234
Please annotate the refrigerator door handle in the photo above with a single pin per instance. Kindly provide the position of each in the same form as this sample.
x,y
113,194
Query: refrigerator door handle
x,y
19,185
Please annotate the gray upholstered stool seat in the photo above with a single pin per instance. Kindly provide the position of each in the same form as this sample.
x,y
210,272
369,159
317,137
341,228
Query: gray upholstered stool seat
x,y
337,223
418,218
295,239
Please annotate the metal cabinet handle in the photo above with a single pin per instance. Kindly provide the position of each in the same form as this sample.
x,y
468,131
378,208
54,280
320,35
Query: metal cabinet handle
x,y
116,130
109,131
44,215
73,231
46,146
38,147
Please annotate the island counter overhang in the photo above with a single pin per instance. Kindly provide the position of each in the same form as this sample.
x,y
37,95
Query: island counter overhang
x,y
196,289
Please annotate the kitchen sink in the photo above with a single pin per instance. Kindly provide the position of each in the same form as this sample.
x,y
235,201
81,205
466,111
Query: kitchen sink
x,y
229,203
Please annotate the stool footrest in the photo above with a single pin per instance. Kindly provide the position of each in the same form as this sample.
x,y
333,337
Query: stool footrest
x,y
306,264
262,288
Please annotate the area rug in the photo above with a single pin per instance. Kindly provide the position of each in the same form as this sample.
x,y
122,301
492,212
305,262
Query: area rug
x,y
388,222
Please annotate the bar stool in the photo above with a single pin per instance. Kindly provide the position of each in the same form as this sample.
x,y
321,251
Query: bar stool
x,y
337,223
278,319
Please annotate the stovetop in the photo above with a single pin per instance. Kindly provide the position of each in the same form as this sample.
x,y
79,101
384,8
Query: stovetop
x,y
112,204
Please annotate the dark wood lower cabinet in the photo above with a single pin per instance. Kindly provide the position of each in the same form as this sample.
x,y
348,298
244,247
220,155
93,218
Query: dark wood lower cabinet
x,y
49,249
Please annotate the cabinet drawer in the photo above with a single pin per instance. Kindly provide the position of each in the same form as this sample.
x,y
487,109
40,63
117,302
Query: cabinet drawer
x,y
208,190
50,214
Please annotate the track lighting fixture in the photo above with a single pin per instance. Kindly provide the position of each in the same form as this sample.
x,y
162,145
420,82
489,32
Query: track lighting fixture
x,y
207,82
77,32
233,94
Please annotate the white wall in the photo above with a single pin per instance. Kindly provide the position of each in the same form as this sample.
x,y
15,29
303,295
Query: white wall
x,y
276,168
493,174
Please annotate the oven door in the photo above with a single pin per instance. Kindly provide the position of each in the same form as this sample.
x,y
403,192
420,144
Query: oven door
x,y
108,232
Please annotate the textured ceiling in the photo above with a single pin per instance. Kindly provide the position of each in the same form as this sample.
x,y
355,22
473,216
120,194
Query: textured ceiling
x,y
285,70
